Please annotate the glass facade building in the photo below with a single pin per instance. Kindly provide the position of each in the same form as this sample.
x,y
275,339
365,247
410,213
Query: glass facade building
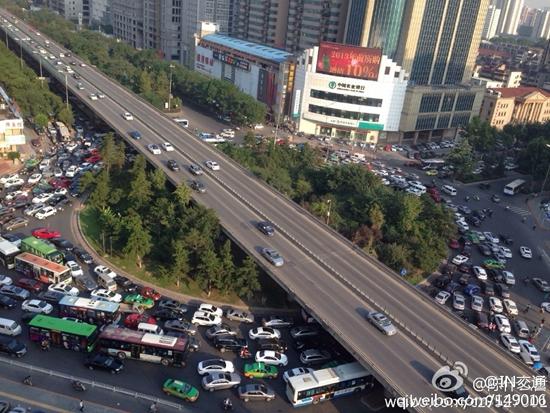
x,y
386,25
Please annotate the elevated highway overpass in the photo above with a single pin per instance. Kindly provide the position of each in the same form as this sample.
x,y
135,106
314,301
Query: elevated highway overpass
x,y
323,271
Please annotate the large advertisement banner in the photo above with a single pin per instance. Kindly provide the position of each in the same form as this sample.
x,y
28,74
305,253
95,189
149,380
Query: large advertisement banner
x,y
349,61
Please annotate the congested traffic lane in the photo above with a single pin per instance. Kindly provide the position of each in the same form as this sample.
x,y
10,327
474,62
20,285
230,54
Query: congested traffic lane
x,y
349,308
366,275
148,378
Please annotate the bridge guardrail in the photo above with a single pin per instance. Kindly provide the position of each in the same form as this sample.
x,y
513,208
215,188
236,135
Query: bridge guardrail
x,y
93,383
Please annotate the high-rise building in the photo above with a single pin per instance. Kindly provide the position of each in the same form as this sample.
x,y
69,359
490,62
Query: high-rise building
x,y
541,25
127,20
76,10
438,47
509,16
491,22
169,26
100,12
375,24
289,24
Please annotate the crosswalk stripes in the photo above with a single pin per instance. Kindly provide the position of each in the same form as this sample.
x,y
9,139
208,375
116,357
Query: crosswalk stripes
x,y
520,211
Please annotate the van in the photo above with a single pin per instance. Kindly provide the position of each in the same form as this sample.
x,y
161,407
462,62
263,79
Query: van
x,y
9,327
107,282
521,329
182,122
448,189
150,328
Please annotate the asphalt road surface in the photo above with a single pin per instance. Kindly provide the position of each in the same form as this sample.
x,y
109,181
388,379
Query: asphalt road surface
x,y
322,270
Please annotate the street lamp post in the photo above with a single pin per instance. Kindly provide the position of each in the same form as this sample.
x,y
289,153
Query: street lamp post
x,y
66,92
329,202
21,53
170,88
41,76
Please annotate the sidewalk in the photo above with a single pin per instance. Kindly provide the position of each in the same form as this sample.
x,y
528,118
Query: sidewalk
x,y
194,301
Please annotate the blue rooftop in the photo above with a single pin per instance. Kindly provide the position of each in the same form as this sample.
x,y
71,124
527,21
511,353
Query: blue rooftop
x,y
254,49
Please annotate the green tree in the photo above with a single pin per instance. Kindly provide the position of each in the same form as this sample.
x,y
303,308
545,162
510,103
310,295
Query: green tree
x,y
180,261
302,189
396,256
66,116
87,181
246,279
13,155
462,159
139,242
158,180
41,120
228,267
249,140
376,217
107,150
481,135
99,198
182,195
144,83
209,271
140,187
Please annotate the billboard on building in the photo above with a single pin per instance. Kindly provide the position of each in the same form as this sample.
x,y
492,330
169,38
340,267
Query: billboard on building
x,y
349,61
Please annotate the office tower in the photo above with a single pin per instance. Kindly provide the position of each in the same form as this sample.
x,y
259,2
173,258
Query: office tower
x,y
491,22
438,46
169,26
509,16
100,12
375,24
127,20
541,25
76,10
289,24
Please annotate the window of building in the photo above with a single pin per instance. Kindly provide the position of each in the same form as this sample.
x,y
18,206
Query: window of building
x,y
430,102
448,102
344,114
387,70
460,119
443,121
339,97
425,122
465,101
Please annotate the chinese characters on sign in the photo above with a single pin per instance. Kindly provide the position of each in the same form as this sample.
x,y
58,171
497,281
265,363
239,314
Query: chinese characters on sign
x,y
350,61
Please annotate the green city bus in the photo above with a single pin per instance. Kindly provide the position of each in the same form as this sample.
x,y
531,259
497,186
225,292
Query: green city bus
x,y
71,335
42,249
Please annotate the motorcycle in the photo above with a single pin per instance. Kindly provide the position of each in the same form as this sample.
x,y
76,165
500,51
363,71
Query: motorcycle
x,y
78,385
227,405
27,381
245,353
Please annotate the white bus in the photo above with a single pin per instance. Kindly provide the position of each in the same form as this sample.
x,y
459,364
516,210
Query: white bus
x,y
211,138
513,187
327,384
182,122
8,251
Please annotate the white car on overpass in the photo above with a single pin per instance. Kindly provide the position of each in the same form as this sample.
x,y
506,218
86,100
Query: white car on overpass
x,y
213,165
154,149
128,116
168,147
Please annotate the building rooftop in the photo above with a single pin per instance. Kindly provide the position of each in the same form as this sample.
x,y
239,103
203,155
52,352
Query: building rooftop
x,y
516,92
254,49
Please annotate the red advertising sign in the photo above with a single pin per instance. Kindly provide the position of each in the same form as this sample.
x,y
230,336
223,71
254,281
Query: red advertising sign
x,y
349,61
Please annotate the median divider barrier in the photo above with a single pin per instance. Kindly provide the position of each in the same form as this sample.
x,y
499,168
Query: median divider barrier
x,y
95,384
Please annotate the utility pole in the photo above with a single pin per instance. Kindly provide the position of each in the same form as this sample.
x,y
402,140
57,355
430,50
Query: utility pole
x,y
66,92
329,202
170,88
41,76
21,53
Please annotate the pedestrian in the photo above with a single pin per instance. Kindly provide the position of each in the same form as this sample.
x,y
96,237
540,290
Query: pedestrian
x,y
81,405
524,220
542,322
534,227
153,408
527,308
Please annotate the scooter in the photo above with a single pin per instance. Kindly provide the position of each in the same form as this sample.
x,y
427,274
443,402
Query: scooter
x,y
78,385
245,354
